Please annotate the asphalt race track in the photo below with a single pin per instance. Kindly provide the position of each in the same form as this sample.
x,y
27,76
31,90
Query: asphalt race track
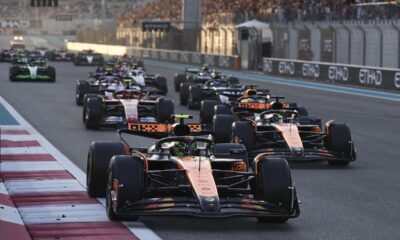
x,y
360,201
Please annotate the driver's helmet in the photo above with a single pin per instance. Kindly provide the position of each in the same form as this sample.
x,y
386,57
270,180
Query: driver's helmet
x,y
180,149
206,68
278,118
216,75
250,93
109,71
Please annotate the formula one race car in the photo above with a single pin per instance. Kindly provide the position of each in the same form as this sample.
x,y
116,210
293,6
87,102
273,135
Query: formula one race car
x,y
88,57
32,69
192,176
252,101
7,55
99,83
60,55
42,52
283,133
120,107
195,75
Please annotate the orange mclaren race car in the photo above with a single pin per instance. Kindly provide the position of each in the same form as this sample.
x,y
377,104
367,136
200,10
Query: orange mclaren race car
x,y
188,175
284,133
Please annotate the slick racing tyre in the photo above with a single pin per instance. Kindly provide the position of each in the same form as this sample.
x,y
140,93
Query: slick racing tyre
x,y
82,88
93,113
165,108
207,111
195,96
100,154
184,93
127,172
274,185
223,128
243,133
338,140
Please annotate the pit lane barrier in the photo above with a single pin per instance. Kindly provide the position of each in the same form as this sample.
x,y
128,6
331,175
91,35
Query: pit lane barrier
x,y
370,77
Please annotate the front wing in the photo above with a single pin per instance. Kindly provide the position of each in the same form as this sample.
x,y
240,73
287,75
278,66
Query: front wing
x,y
229,207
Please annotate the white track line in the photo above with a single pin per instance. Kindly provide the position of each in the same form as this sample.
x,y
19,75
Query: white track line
x,y
42,186
63,213
138,228
23,150
3,189
10,214
17,166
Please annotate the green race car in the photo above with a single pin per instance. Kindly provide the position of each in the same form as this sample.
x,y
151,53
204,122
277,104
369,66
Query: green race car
x,y
32,69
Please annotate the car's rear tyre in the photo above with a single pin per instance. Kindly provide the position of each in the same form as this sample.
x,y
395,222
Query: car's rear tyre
x,y
100,154
274,184
13,73
222,109
52,74
207,111
243,133
93,113
165,108
195,96
223,128
128,171
161,84
85,101
338,140
179,78
82,88
184,93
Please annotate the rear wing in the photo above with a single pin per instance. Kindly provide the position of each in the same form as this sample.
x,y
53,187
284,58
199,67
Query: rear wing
x,y
160,130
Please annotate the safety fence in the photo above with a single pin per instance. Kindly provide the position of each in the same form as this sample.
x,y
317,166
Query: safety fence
x,y
370,77
229,62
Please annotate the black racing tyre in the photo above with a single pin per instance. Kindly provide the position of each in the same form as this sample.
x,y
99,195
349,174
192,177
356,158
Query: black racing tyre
x,y
165,108
52,74
184,93
82,88
93,113
207,111
178,79
302,111
243,132
195,96
223,128
338,140
233,80
85,100
161,83
129,172
13,73
100,154
274,184
222,109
